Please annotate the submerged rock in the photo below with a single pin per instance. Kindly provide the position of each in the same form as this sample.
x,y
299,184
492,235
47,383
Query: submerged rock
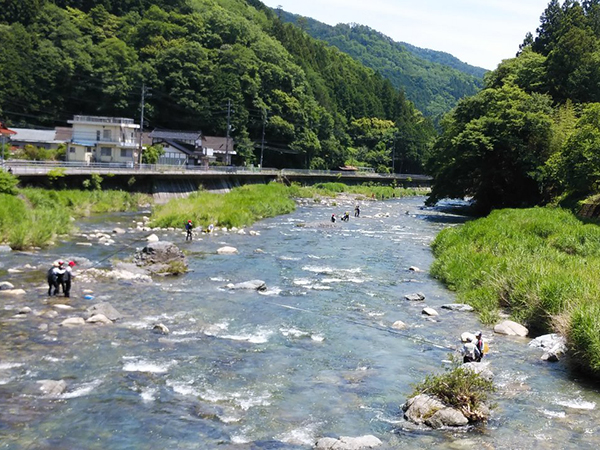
x,y
417,297
227,250
510,328
105,309
252,285
52,388
399,325
348,443
99,318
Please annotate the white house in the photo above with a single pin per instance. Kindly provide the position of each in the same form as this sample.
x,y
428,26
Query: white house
x,y
103,139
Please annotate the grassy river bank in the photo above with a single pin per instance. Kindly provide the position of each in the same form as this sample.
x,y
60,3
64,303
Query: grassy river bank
x,y
541,264
35,217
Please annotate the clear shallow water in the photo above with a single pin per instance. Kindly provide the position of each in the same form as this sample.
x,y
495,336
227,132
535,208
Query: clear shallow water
x,y
312,357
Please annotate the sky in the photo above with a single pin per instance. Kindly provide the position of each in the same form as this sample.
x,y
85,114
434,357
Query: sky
x,y
479,32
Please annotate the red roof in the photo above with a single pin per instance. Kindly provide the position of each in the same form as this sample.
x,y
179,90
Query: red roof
x,y
6,131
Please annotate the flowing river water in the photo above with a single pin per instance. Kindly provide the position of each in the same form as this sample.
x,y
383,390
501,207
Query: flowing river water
x,y
312,356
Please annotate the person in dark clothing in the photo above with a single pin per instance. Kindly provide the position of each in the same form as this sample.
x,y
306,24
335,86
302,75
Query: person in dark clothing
x,y
333,218
356,211
55,278
480,345
346,217
189,227
67,278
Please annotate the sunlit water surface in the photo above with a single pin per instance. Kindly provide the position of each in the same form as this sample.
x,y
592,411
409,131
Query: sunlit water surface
x,y
313,356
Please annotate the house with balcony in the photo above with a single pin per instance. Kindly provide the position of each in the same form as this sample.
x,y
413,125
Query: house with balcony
x,y
103,139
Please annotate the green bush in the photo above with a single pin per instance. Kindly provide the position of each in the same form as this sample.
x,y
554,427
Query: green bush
x,y
8,183
459,388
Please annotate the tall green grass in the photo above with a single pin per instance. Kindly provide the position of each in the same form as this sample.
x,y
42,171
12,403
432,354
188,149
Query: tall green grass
x,y
541,263
35,217
240,207
245,205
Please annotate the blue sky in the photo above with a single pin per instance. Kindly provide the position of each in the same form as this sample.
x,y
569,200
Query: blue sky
x,y
479,32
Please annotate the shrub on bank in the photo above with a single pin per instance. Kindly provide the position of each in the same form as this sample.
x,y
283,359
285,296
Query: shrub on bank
x,y
36,216
541,263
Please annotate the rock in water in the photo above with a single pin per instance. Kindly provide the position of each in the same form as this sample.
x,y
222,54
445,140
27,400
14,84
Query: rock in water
x,y
348,443
160,328
153,238
511,328
457,307
52,388
399,325
427,410
418,297
161,257
227,250
119,231
430,312
6,286
252,285
99,318
73,322
105,309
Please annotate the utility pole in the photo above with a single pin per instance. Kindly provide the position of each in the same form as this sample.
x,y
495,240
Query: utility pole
x,y
262,146
394,155
228,128
139,159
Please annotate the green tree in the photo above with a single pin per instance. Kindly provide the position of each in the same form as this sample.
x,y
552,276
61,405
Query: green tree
x,y
152,154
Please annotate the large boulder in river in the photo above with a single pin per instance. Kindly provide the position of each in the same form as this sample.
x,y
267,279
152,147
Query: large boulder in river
x,y
52,388
161,258
424,409
348,443
554,346
511,328
106,309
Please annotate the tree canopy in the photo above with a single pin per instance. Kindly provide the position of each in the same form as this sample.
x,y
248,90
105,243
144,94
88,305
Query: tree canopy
x,y
532,135
66,57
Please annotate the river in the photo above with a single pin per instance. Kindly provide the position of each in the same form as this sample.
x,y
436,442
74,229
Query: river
x,y
313,356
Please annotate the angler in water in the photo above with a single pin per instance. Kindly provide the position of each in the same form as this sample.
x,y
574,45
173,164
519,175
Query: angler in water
x,y
55,277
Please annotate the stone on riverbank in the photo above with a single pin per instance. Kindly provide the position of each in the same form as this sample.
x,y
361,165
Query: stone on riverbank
x,y
510,328
417,297
348,443
105,309
554,345
458,307
252,285
227,250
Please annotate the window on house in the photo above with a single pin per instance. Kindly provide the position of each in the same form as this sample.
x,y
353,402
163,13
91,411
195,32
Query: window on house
x,y
71,149
88,149
126,153
97,135
107,135
105,151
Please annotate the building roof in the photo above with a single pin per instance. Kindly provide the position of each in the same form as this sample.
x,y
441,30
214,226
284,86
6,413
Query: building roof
x,y
33,135
188,149
176,135
219,144
64,133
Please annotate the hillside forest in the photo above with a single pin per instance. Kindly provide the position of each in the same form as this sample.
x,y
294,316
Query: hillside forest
x,y
532,135
320,108
434,81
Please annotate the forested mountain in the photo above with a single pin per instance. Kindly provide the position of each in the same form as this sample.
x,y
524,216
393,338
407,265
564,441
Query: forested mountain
x,y
323,108
533,134
434,81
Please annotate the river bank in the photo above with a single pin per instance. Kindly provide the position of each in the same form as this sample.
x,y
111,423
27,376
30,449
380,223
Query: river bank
x,y
541,265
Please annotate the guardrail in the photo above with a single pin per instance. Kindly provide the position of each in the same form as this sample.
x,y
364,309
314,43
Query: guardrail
x,y
22,167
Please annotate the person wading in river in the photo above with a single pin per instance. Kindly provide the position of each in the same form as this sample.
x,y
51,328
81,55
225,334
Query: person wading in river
x,y
470,351
480,345
189,227
55,277
67,278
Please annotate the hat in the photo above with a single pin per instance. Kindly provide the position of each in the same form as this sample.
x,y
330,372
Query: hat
x,y
478,334
71,263
61,263
189,221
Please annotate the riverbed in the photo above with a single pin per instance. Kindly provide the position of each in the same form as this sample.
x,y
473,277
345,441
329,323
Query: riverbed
x,y
313,356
